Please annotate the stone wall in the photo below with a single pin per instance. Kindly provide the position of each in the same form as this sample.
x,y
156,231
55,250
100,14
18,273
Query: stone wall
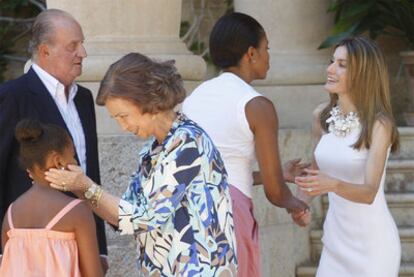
x,y
118,159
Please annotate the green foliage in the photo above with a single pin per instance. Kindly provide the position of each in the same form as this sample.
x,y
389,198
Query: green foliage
x,y
195,34
13,5
15,21
230,6
5,47
377,17
184,28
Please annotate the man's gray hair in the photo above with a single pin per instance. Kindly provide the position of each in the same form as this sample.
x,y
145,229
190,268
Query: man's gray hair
x,y
43,29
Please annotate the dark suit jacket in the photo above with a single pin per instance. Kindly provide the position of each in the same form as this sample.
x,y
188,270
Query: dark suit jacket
x,y
27,97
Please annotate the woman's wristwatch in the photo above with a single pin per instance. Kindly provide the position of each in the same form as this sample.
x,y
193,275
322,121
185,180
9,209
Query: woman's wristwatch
x,y
93,194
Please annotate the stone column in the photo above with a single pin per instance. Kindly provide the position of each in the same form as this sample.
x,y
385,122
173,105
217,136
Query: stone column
x,y
295,28
115,28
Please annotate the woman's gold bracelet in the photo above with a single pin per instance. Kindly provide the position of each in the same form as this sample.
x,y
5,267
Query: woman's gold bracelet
x,y
94,194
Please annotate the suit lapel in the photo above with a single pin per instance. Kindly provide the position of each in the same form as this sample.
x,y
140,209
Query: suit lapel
x,y
43,101
49,112
46,106
84,114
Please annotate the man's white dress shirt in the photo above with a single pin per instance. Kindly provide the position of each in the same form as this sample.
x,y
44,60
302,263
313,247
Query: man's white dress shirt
x,y
67,109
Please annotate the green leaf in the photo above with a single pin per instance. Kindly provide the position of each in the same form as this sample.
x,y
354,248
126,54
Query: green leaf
x,y
355,10
333,40
335,5
343,26
336,38
377,17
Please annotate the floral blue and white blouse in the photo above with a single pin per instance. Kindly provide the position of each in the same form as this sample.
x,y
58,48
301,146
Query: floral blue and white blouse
x,y
179,208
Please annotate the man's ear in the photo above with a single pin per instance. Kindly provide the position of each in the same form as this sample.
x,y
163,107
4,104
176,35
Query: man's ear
x,y
43,51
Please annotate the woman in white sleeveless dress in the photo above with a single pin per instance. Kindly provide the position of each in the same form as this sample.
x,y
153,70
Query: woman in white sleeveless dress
x,y
354,135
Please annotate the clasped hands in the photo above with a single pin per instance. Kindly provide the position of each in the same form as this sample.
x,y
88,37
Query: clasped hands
x,y
312,183
292,169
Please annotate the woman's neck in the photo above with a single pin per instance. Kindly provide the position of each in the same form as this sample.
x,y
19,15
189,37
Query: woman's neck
x,y
40,184
241,72
163,124
346,105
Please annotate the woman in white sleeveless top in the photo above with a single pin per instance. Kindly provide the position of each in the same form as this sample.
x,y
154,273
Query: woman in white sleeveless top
x,y
355,133
243,125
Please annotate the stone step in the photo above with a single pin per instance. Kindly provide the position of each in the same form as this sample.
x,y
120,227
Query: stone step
x,y
309,270
401,206
406,237
406,142
400,176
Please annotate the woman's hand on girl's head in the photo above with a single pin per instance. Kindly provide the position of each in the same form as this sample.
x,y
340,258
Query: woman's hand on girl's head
x,y
70,179
316,183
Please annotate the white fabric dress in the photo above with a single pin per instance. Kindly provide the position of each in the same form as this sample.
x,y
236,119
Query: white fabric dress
x,y
359,240
218,106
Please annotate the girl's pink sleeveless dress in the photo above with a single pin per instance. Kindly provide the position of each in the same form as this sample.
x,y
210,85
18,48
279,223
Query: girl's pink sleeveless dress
x,y
41,252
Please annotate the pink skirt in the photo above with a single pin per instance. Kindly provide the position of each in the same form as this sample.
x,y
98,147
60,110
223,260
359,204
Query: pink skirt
x,y
247,235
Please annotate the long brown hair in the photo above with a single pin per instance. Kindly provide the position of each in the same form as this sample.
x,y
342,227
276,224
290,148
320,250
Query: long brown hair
x,y
368,87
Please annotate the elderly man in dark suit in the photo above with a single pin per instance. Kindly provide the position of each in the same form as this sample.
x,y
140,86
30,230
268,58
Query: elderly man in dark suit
x,y
47,92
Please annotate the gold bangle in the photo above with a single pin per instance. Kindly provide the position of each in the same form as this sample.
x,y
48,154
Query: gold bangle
x,y
98,196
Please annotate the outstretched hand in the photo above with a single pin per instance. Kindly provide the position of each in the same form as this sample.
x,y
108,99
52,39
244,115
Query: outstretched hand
x,y
294,168
316,183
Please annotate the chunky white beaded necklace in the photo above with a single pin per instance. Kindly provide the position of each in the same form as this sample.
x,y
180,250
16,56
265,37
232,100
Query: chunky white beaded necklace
x,y
341,125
